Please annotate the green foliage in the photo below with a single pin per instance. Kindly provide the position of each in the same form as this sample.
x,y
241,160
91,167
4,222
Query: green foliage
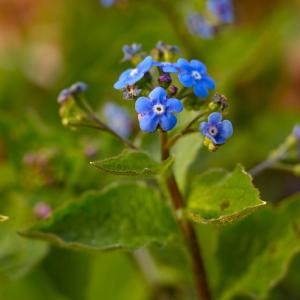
x,y
254,254
18,255
122,215
218,196
132,163
185,151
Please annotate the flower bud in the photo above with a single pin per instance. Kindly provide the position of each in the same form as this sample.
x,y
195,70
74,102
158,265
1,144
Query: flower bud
x,y
63,96
221,101
165,80
172,90
78,87
42,210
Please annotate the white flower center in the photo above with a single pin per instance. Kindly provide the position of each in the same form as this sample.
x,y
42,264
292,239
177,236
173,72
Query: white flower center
x,y
196,75
213,130
158,109
133,72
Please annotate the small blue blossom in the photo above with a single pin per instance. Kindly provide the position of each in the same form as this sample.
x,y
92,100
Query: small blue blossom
x,y
194,74
215,129
118,119
198,25
75,89
156,110
78,87
131,76
107,3
163,47
130,51
222,9
63,96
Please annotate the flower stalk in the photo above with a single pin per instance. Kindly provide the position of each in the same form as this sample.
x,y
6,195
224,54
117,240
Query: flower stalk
x,y
186,227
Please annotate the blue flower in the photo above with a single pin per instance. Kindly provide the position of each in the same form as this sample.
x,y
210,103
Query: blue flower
x,y
118,119
130,51
215,129
198,25
131,76
194,74
222,9
75,89
157,110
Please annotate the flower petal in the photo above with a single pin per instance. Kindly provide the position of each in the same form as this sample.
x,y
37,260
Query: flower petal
x,y
227,128
135,78
145,65
200,89
149,122
183,64
214,118
143,105
218,140
174,105
122,81
198,65
203,127
167,122
210,83
169,67
158,94
186,79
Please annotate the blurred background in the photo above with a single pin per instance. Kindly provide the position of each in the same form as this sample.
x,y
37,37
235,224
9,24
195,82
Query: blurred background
x,y
47,45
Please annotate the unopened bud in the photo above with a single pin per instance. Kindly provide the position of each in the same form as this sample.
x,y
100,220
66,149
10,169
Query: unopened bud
x,y
172,89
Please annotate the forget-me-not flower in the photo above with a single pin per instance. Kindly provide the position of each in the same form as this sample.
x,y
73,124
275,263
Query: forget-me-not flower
x,y
198,25
222,9
131,76
194,74
215,129
156,110
118,119
131,50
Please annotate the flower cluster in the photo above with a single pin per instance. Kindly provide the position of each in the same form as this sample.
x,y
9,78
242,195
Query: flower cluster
x,y
162,88
161,84
221,12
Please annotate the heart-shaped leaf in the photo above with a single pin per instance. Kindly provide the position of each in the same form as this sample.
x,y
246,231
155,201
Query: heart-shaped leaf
x,y
123,215
219,196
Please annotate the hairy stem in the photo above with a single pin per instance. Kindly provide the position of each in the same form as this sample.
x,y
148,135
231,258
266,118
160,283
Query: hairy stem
x,y
186,227
100,125
187,129
275,156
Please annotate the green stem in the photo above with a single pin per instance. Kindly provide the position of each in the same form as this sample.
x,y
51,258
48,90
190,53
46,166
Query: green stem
x,y
186,227
187,129
275,156
100,125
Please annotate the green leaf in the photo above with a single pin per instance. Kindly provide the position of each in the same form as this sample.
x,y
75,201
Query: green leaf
x,y
123,215
254,254
185,151
17,255
219,196
133,163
